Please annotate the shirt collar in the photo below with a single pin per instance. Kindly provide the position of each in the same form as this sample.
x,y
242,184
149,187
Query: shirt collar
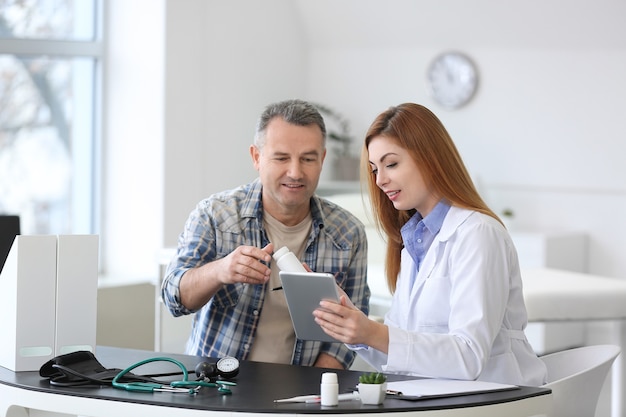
x,y
434,220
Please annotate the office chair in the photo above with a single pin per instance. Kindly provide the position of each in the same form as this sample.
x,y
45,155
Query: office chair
x,y
576,377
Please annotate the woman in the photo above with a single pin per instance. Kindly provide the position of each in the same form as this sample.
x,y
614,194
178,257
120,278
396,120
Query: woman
x,y
458,309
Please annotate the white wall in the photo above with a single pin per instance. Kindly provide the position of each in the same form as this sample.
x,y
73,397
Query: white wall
x,y
544,134
225,61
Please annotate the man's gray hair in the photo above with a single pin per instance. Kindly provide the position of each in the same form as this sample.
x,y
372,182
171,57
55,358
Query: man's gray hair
x,y
296,112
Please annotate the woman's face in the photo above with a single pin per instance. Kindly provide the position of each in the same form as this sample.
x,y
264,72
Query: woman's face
x,y
399,177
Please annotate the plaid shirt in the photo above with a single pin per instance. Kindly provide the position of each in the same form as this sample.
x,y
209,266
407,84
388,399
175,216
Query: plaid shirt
x,y
226,325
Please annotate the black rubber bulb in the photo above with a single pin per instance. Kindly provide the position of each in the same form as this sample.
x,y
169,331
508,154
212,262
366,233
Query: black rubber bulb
x,y
206,370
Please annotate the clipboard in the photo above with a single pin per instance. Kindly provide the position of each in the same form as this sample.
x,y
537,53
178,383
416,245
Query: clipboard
x,y
304,291
427,388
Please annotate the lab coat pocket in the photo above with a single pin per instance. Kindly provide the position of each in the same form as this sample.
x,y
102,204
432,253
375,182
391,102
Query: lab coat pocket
x,y
433,302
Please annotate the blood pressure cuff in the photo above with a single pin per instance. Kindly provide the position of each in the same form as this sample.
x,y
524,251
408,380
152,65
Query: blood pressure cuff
x,y
82,368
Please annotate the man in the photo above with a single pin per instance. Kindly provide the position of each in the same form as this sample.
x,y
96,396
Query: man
x,y
223,270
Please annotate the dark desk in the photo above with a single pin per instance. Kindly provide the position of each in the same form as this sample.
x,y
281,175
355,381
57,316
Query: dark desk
x,y
258,385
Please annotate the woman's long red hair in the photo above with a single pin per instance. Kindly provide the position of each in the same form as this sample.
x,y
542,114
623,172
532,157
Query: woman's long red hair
x,y
421,133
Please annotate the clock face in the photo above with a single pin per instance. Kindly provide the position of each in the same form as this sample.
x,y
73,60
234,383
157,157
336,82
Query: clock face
x,y
453,79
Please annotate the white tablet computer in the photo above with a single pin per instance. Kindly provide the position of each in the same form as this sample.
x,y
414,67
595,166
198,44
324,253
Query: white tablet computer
x,y
304,291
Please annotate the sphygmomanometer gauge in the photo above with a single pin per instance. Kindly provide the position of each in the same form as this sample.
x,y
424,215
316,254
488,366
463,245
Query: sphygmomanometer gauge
x,y
228,367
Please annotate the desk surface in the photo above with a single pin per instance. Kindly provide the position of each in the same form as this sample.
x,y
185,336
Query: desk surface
x,y
258,385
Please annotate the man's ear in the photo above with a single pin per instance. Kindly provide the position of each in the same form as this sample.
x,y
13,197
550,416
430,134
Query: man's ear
x,y
255,153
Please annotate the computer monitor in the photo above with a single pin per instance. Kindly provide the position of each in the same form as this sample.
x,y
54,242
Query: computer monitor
x,y
9,228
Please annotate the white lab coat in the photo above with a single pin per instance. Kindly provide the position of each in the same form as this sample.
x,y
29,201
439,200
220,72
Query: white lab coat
x,y
464,317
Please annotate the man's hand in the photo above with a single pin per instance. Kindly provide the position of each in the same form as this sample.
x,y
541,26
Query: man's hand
x,y
244,265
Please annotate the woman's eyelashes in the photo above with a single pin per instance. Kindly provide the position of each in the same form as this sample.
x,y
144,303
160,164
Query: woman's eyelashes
x,y
374,170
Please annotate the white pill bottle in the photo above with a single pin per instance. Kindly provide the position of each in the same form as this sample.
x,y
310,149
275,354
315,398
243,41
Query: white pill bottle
x,y
287,261
329,389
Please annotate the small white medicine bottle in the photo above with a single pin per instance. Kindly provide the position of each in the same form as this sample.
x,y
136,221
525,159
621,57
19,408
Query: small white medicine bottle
x,y
287,261
329,389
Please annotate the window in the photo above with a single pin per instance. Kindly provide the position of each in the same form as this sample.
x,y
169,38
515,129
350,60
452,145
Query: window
x,y
50,60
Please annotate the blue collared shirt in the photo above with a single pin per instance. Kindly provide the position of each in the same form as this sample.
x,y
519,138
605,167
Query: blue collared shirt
x,y
418,233
226,325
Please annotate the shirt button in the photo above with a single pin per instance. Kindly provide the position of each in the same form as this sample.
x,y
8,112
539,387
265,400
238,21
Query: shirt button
x,y
246,347
419,240
255,312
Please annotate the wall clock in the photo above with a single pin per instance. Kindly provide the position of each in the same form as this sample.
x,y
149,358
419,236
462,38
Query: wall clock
x,y
452,79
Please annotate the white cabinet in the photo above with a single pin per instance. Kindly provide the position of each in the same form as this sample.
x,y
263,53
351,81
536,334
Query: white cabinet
x,y
557,250
552,250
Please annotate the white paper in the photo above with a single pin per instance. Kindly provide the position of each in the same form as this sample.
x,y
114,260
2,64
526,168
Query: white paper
x,y
444,387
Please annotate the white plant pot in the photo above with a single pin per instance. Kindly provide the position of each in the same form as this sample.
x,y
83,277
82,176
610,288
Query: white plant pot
x,y
372,393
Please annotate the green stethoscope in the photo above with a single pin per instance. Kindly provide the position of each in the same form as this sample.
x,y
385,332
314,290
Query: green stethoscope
x,y
183,386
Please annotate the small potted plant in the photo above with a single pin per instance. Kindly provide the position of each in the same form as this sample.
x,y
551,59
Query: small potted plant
x,y
372,388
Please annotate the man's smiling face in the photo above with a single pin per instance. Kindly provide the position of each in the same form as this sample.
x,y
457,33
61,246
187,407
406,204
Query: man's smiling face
x,y
289,166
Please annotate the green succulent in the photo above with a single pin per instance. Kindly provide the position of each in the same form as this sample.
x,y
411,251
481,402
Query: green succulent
x,y
372,378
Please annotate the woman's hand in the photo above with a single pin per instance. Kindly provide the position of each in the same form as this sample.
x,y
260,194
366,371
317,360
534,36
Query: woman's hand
x,y
348,324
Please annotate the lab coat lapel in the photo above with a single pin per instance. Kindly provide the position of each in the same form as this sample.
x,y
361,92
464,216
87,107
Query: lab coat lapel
x,y
428,265
454,218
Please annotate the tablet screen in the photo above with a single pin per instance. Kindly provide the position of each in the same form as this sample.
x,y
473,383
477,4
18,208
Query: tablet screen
x,y
304,291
